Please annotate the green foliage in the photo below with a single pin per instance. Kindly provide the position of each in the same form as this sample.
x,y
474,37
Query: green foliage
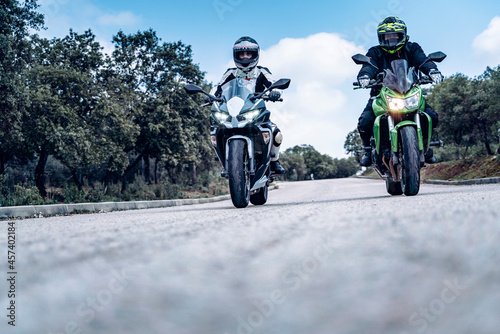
x,y
20,194
304,162
72,194
468,110
353,145
15,19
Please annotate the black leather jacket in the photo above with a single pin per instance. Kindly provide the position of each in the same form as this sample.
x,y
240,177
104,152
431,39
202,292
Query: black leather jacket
x,y
412,52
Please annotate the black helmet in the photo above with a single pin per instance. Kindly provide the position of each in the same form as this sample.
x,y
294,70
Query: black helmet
x,y
396,29
246,44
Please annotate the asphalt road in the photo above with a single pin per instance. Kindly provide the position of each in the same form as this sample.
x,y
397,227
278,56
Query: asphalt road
x,y
335,256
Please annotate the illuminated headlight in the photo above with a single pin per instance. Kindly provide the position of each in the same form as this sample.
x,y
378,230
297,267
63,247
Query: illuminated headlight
x,y
413,101
251,115
395,104
221,117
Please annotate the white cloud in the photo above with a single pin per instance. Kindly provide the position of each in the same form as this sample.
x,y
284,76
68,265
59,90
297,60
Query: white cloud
x,y
120,20
319,108
61,15
489,40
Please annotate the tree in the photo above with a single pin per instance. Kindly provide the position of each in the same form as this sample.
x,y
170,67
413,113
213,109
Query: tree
x,y
468,109
302,161
15,20
294,165
452,101
72,116
170,125
353,145
487,105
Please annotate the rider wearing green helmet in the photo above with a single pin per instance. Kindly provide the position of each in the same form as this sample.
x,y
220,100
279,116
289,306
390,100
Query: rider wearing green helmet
x,y
393,44
392,34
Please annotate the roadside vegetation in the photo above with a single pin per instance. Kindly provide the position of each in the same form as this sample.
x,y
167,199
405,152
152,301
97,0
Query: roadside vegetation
x,y
78,125
82,126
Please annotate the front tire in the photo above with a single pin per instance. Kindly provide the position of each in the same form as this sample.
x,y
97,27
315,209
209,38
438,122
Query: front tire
x,y
239,177
410,161
260,197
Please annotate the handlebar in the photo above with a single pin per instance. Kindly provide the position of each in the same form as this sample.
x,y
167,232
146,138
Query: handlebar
x,y
378,83
373,83
266,98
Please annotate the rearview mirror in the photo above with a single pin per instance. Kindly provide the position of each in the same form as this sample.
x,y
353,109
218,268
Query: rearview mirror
x,y
437,56
193,89
281,84
360,59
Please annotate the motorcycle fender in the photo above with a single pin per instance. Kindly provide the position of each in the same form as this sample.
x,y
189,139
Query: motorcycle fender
x,y
378,107
429,132
249,148
376,132
394,134
260,183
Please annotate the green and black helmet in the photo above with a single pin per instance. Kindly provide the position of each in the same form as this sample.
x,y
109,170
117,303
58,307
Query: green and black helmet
x,y
392,34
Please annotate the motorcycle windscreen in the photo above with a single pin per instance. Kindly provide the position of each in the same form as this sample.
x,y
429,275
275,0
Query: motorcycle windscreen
x,y
399,78
236,92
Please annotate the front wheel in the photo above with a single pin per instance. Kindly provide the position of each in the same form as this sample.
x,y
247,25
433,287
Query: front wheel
x,y
260,197
410,162
239,177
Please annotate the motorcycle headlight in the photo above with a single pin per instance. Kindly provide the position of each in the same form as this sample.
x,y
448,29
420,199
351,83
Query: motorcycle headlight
x,y
222,117
251,115
413,101
395,104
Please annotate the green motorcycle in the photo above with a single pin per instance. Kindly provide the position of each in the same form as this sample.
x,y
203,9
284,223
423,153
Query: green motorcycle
x,y
402,130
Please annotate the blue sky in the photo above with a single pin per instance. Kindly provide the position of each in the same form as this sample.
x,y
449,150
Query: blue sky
x,y
308,41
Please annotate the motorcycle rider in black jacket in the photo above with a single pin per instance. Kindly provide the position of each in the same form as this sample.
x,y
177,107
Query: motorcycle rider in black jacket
x,y
246,57
393,44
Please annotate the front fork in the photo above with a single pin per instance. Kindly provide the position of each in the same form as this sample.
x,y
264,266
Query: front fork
x,y
392,164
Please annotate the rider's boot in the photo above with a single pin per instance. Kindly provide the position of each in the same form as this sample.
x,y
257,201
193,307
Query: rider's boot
x,y
429,156
275,165
366,159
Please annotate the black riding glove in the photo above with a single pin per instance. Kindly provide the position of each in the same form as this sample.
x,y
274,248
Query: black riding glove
x,y
274,96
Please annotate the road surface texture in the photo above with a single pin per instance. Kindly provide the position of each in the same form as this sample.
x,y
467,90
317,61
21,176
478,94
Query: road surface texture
x,y
333,256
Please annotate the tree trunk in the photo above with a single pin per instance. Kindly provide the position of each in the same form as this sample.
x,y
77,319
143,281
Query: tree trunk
x,y
147,169
40,172
486,141
2,164
156,171
195,176
77,177
129,168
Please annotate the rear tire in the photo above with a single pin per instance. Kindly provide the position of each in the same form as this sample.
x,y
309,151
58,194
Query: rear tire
x,y
260,197
410,161
239,177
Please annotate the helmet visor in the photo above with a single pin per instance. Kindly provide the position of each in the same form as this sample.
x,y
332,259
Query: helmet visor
x,y
245,57
391,40
245,54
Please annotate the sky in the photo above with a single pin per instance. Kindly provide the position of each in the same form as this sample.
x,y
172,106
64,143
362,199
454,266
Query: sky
x,y
311,42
